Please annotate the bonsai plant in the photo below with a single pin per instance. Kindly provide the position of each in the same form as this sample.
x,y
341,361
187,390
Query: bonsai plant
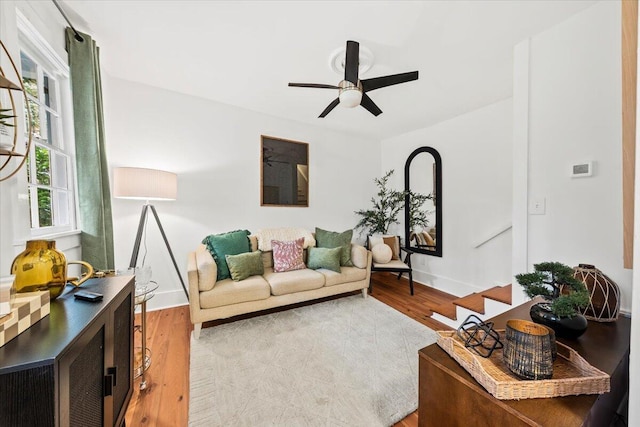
x,y
386,208
565,295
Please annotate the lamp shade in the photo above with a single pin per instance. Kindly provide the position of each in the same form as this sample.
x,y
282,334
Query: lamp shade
x,y
144,184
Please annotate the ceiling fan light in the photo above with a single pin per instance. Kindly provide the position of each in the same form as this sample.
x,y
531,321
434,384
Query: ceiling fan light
x,y
350,97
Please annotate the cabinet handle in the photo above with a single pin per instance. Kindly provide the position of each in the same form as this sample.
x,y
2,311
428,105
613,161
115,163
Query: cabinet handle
x,y
108,385
113,371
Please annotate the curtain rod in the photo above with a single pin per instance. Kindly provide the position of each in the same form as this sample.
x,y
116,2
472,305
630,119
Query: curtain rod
x,y
77,34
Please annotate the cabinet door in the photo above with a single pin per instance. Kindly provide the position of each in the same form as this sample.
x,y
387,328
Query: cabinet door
x,y
81,378
122,365
27,397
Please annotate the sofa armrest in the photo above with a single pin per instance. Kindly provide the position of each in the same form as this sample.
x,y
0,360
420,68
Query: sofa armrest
x,y
192,278
359,256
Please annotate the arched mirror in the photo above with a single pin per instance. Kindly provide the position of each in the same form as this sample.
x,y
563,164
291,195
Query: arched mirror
x,y
423,202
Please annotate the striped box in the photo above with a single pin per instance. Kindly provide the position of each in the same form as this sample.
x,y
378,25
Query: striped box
x,y
28,308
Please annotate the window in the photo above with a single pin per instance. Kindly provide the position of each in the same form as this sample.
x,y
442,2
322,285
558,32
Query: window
x,y
50,158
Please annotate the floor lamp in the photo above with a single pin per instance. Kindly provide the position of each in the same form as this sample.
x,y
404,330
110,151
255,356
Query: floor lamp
x,y
147,184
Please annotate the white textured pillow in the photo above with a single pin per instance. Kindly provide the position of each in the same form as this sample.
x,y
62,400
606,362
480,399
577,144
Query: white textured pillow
x,y
285,234
375,240
207,269
381,253
359,256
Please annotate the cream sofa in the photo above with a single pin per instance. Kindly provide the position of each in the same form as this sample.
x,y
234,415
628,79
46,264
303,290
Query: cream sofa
x,y
210,299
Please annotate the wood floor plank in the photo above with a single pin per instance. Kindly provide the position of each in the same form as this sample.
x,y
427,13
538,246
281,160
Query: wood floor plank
x,y
499,293
447,309
165,402
473,302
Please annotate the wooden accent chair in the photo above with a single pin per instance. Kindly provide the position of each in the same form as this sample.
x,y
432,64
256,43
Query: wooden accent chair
x,y
397,264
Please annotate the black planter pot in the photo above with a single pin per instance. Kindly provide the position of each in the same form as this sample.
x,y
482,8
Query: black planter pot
x,y
566,327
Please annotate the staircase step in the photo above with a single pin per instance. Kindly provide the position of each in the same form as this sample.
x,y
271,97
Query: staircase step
x,y
499,293
473,302
447,310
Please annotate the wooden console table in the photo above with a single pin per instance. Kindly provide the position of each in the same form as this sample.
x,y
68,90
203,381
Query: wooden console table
x,y
449,396
75,366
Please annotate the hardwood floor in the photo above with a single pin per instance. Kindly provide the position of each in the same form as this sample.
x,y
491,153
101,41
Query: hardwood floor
x,y
165,401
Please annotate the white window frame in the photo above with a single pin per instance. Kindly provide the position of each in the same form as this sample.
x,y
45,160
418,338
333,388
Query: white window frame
x,y
38,49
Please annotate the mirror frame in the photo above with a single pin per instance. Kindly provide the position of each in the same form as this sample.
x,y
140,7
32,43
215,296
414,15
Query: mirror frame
x,y
438,202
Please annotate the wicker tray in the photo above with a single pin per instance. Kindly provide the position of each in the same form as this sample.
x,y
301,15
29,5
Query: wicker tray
x,y
572,375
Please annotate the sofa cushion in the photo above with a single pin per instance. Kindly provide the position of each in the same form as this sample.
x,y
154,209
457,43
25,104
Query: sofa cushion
x,y
359,256
244,265
231,243
293,281
346,275
207,269
266,235
288,256
328,258
394,264
227,292
331,239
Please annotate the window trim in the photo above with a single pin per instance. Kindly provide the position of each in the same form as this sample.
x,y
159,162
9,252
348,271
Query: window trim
x,y
38,49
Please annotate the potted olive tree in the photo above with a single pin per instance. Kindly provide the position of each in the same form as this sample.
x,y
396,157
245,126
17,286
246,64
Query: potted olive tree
x,y
564,295
387,204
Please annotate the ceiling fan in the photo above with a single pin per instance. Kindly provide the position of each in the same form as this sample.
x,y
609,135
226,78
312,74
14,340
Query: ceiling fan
x,y
353,92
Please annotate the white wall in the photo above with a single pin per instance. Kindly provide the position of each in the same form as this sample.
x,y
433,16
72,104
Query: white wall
x,y
574,115
476,196
215,150
14,207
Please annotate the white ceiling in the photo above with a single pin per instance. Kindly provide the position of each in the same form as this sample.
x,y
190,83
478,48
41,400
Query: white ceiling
x,y
244,53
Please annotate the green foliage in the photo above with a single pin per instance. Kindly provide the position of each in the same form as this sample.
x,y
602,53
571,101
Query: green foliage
x,y
555,281
418,216
386,208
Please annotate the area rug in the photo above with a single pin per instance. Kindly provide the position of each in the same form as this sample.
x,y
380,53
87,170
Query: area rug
x,y
347,362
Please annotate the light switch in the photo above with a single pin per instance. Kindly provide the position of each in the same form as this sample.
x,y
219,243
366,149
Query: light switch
x,y
537,206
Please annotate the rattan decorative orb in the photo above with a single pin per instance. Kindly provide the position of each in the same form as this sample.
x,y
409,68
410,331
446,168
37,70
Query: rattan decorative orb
x,y
604,294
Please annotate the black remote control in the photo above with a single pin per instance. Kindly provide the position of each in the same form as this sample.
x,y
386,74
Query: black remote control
x,y
88,296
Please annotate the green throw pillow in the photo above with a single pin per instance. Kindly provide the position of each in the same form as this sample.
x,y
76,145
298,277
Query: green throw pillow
x,y
331,239
244,265
328,258
231,243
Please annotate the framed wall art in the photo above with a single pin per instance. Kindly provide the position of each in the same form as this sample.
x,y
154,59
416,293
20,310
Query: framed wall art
x,y
284,172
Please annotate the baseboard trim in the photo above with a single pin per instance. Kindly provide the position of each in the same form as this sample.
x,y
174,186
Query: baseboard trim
x,y
445,284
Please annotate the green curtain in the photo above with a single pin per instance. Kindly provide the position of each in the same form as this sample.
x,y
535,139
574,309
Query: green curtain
x,y
94,195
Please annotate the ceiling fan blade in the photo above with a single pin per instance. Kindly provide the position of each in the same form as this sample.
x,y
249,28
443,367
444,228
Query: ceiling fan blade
x,y
352,62
329,108
384,81
370,105
313,85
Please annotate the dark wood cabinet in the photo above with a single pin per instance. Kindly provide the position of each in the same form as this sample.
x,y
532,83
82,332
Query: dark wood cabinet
x,y
449,396
75,366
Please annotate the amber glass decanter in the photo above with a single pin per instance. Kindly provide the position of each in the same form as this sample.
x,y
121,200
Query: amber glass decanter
x,y
40,267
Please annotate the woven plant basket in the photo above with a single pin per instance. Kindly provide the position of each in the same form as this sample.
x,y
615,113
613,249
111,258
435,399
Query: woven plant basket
x,y
528,350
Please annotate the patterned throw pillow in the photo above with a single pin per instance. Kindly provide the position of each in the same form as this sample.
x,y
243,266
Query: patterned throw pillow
x,y
288,256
